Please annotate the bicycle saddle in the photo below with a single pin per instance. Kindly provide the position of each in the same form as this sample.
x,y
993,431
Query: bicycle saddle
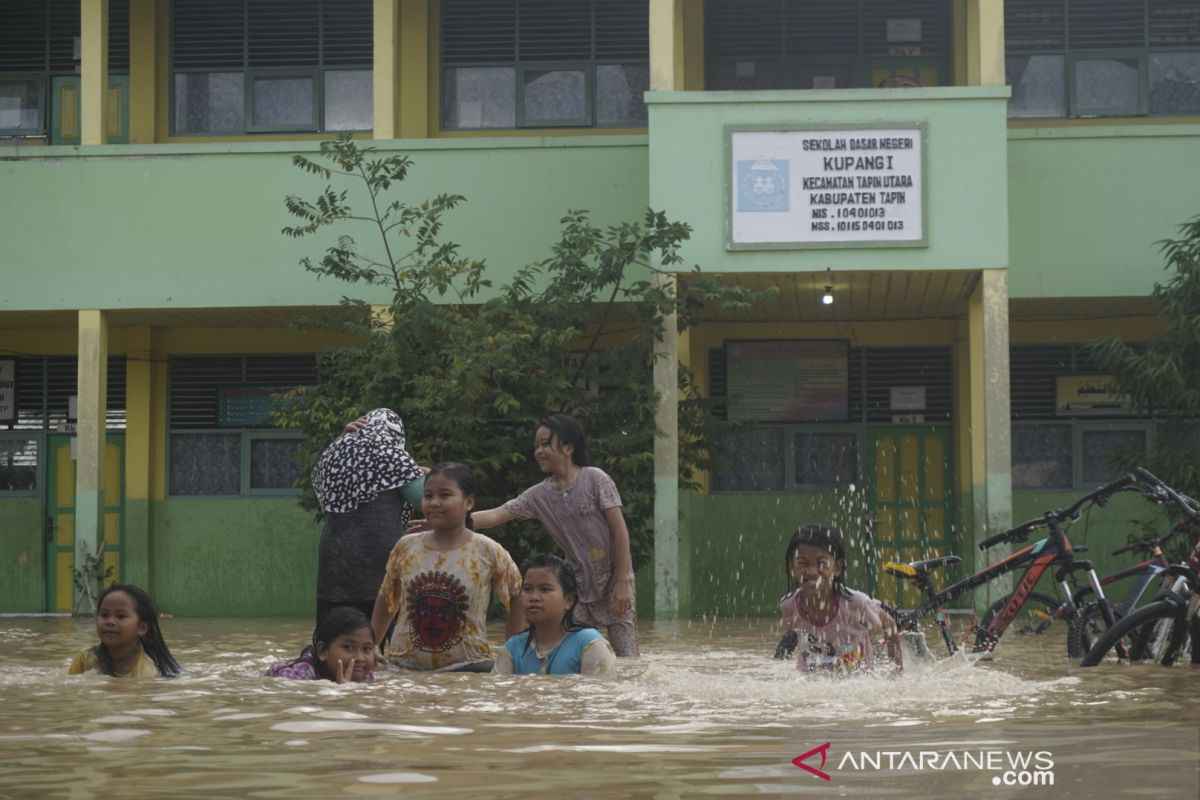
x,y
917,569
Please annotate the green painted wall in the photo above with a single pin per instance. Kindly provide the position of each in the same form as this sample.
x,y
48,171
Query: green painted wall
x,y
734,547
240,556
1087,204
190,226
22,555
965,171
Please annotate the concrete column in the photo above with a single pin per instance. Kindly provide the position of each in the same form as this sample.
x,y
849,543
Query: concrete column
x,y
985,42
414,69
140,432
386,68
143,55
666,45
991,429
93,77
92,392
666,468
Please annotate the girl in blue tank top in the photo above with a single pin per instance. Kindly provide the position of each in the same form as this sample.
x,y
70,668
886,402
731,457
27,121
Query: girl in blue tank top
x,y
554,644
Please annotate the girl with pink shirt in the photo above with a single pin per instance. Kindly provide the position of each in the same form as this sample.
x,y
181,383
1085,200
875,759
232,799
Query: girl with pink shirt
x,y
832,623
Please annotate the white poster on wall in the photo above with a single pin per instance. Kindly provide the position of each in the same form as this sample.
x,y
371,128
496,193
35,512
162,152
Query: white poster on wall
x,y
827,188
8,390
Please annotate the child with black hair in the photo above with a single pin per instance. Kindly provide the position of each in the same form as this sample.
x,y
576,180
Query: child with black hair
x,y
580,508
554,643
832,622
342,650
131,643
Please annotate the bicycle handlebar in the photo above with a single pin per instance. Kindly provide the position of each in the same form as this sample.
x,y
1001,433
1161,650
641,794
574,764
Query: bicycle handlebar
x,y
1054,516
1185,504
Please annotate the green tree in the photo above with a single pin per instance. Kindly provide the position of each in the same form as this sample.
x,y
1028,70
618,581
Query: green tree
x,y
469,366
1162,376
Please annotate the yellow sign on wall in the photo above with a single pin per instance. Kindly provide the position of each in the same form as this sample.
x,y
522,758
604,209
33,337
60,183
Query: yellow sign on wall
x,y
1089,395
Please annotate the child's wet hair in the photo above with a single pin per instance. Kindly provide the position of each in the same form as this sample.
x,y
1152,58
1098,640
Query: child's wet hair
x,y
565,576
567,430
152,641
337,621
825,537
461,474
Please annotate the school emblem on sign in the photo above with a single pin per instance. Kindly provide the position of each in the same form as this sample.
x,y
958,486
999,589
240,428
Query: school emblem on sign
x,y
762,184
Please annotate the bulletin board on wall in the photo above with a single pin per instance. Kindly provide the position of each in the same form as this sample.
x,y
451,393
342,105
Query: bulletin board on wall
x,y
788,380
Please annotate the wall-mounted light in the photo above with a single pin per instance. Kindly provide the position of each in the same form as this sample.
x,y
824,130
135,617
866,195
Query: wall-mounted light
x,y
827,298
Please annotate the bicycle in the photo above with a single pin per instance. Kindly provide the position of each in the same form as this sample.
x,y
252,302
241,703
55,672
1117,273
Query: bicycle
x,y
1054,550
1084,625
1168,628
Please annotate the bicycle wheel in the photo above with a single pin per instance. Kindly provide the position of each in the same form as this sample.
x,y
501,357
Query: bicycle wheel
x,y
1147,633
1084,629
1164,641
1036,617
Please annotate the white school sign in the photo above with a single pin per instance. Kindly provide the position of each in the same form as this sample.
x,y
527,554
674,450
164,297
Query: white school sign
x,y
827,188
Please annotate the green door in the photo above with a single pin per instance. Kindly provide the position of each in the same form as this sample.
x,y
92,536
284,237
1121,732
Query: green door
x,y
60,513
65,109
910,496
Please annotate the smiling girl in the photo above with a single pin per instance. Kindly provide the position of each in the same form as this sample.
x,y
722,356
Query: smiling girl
x,y
439,583
131,643
342,650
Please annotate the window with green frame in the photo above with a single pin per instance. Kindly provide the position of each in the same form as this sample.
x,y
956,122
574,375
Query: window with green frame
x,y
1102,58
817,44
262,66
38,41
544,63
221,440
1057,449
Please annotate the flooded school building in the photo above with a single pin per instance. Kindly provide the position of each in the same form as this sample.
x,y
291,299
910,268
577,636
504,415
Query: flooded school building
x,y
952,197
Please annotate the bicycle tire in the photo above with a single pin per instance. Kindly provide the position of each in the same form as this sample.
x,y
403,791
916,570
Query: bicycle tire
x,y
1035,617
1162,642
1085,628
1135,629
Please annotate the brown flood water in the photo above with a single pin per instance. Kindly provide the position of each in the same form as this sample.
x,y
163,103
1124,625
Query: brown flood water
x,y
706,712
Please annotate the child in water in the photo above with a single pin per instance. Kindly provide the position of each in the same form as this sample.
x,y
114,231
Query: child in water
x,y
439,583
342,650
832,622
131,643
554,643
580,508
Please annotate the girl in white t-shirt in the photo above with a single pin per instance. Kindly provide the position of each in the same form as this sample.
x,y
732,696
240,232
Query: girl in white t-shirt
x,y
832,622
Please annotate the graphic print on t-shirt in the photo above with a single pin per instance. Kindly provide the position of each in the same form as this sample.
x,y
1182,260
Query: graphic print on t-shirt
x,y
819,654
437,611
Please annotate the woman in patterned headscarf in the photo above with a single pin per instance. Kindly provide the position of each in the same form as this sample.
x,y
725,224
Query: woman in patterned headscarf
x,y
368,486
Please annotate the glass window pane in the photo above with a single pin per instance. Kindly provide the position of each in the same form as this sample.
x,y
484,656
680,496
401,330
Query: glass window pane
x,y
348,100
1106,85
273,463
209,102
20,106
1102,448
480,97
284,102
619,90
555,96
756,461
1041,457
1174,83
18,465
826,458
206,464
1039,86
